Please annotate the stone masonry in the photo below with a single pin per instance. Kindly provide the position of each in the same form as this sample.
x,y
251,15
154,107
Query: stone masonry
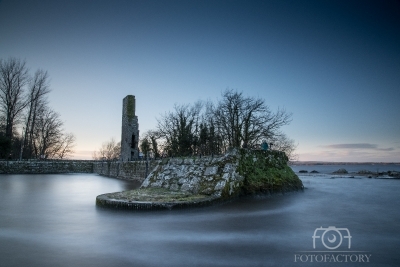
x,y
213,176
130,130
44,167
132,170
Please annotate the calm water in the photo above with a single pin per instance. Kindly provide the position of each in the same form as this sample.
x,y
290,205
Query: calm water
x,y
52,220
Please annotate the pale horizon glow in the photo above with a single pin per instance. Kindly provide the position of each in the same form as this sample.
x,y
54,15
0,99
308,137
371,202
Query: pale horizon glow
x,y
334,64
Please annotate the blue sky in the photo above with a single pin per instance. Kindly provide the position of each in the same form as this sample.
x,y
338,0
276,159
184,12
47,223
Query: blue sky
x,y
334,64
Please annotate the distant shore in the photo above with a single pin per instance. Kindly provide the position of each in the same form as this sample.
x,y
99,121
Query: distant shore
x,y
340,163
370,170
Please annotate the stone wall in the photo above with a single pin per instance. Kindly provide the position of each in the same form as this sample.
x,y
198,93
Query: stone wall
x,y
131,170
214,176
34,167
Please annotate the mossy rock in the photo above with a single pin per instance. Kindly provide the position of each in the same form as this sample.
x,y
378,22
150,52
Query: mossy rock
x,y
267,172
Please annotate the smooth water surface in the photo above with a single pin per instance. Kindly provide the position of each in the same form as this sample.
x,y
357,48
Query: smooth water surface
x,y
52,220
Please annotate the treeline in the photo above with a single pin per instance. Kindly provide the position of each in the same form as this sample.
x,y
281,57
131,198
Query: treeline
x,y
110,150
207,128
29,128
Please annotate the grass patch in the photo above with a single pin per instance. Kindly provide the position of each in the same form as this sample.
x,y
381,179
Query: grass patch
x,y
155,195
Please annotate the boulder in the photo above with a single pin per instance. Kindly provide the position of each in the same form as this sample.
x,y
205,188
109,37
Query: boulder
x,y
341,171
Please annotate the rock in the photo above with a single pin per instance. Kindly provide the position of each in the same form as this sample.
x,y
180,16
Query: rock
x,y
181,181
174,187
237,177
220,185
188,161
229,167
394,174
157,183
185,187
303,171
314,171
211,170
226,176
363,172
340,171
207,191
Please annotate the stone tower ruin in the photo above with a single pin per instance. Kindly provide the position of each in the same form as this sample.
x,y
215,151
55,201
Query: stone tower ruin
x,y
130,130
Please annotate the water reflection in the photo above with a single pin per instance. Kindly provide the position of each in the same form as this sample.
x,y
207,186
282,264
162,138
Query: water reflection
x,y
52,220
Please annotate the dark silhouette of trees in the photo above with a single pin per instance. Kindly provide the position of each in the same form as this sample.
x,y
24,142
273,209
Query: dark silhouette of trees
x,y
13,78
49,141
23,103
149,144
209,140
178,129
5,146
246,121
38,91
235,121
145,147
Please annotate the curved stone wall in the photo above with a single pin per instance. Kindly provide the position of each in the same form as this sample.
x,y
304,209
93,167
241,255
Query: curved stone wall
x,y
105,201
194,181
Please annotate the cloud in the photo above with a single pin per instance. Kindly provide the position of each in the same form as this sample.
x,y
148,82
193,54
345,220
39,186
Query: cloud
x,y
359,146
385,149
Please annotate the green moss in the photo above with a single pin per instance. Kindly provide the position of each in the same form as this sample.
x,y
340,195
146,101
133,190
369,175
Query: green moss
x,y
164,161
130,107
267,171
155,195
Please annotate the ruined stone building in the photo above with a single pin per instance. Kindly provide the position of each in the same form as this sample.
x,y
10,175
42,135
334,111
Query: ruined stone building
x,y
130,130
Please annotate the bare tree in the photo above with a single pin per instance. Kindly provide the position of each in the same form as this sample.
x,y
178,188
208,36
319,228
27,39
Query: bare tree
x,y
245,121
110,150
47,132
13,78
38,90
20,95
234,121
179,128
64,147
283,143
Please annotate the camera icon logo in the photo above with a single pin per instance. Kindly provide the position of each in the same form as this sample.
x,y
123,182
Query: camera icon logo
x,y
331,237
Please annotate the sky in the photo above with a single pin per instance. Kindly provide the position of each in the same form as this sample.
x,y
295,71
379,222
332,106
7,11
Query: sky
x,y
335,65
